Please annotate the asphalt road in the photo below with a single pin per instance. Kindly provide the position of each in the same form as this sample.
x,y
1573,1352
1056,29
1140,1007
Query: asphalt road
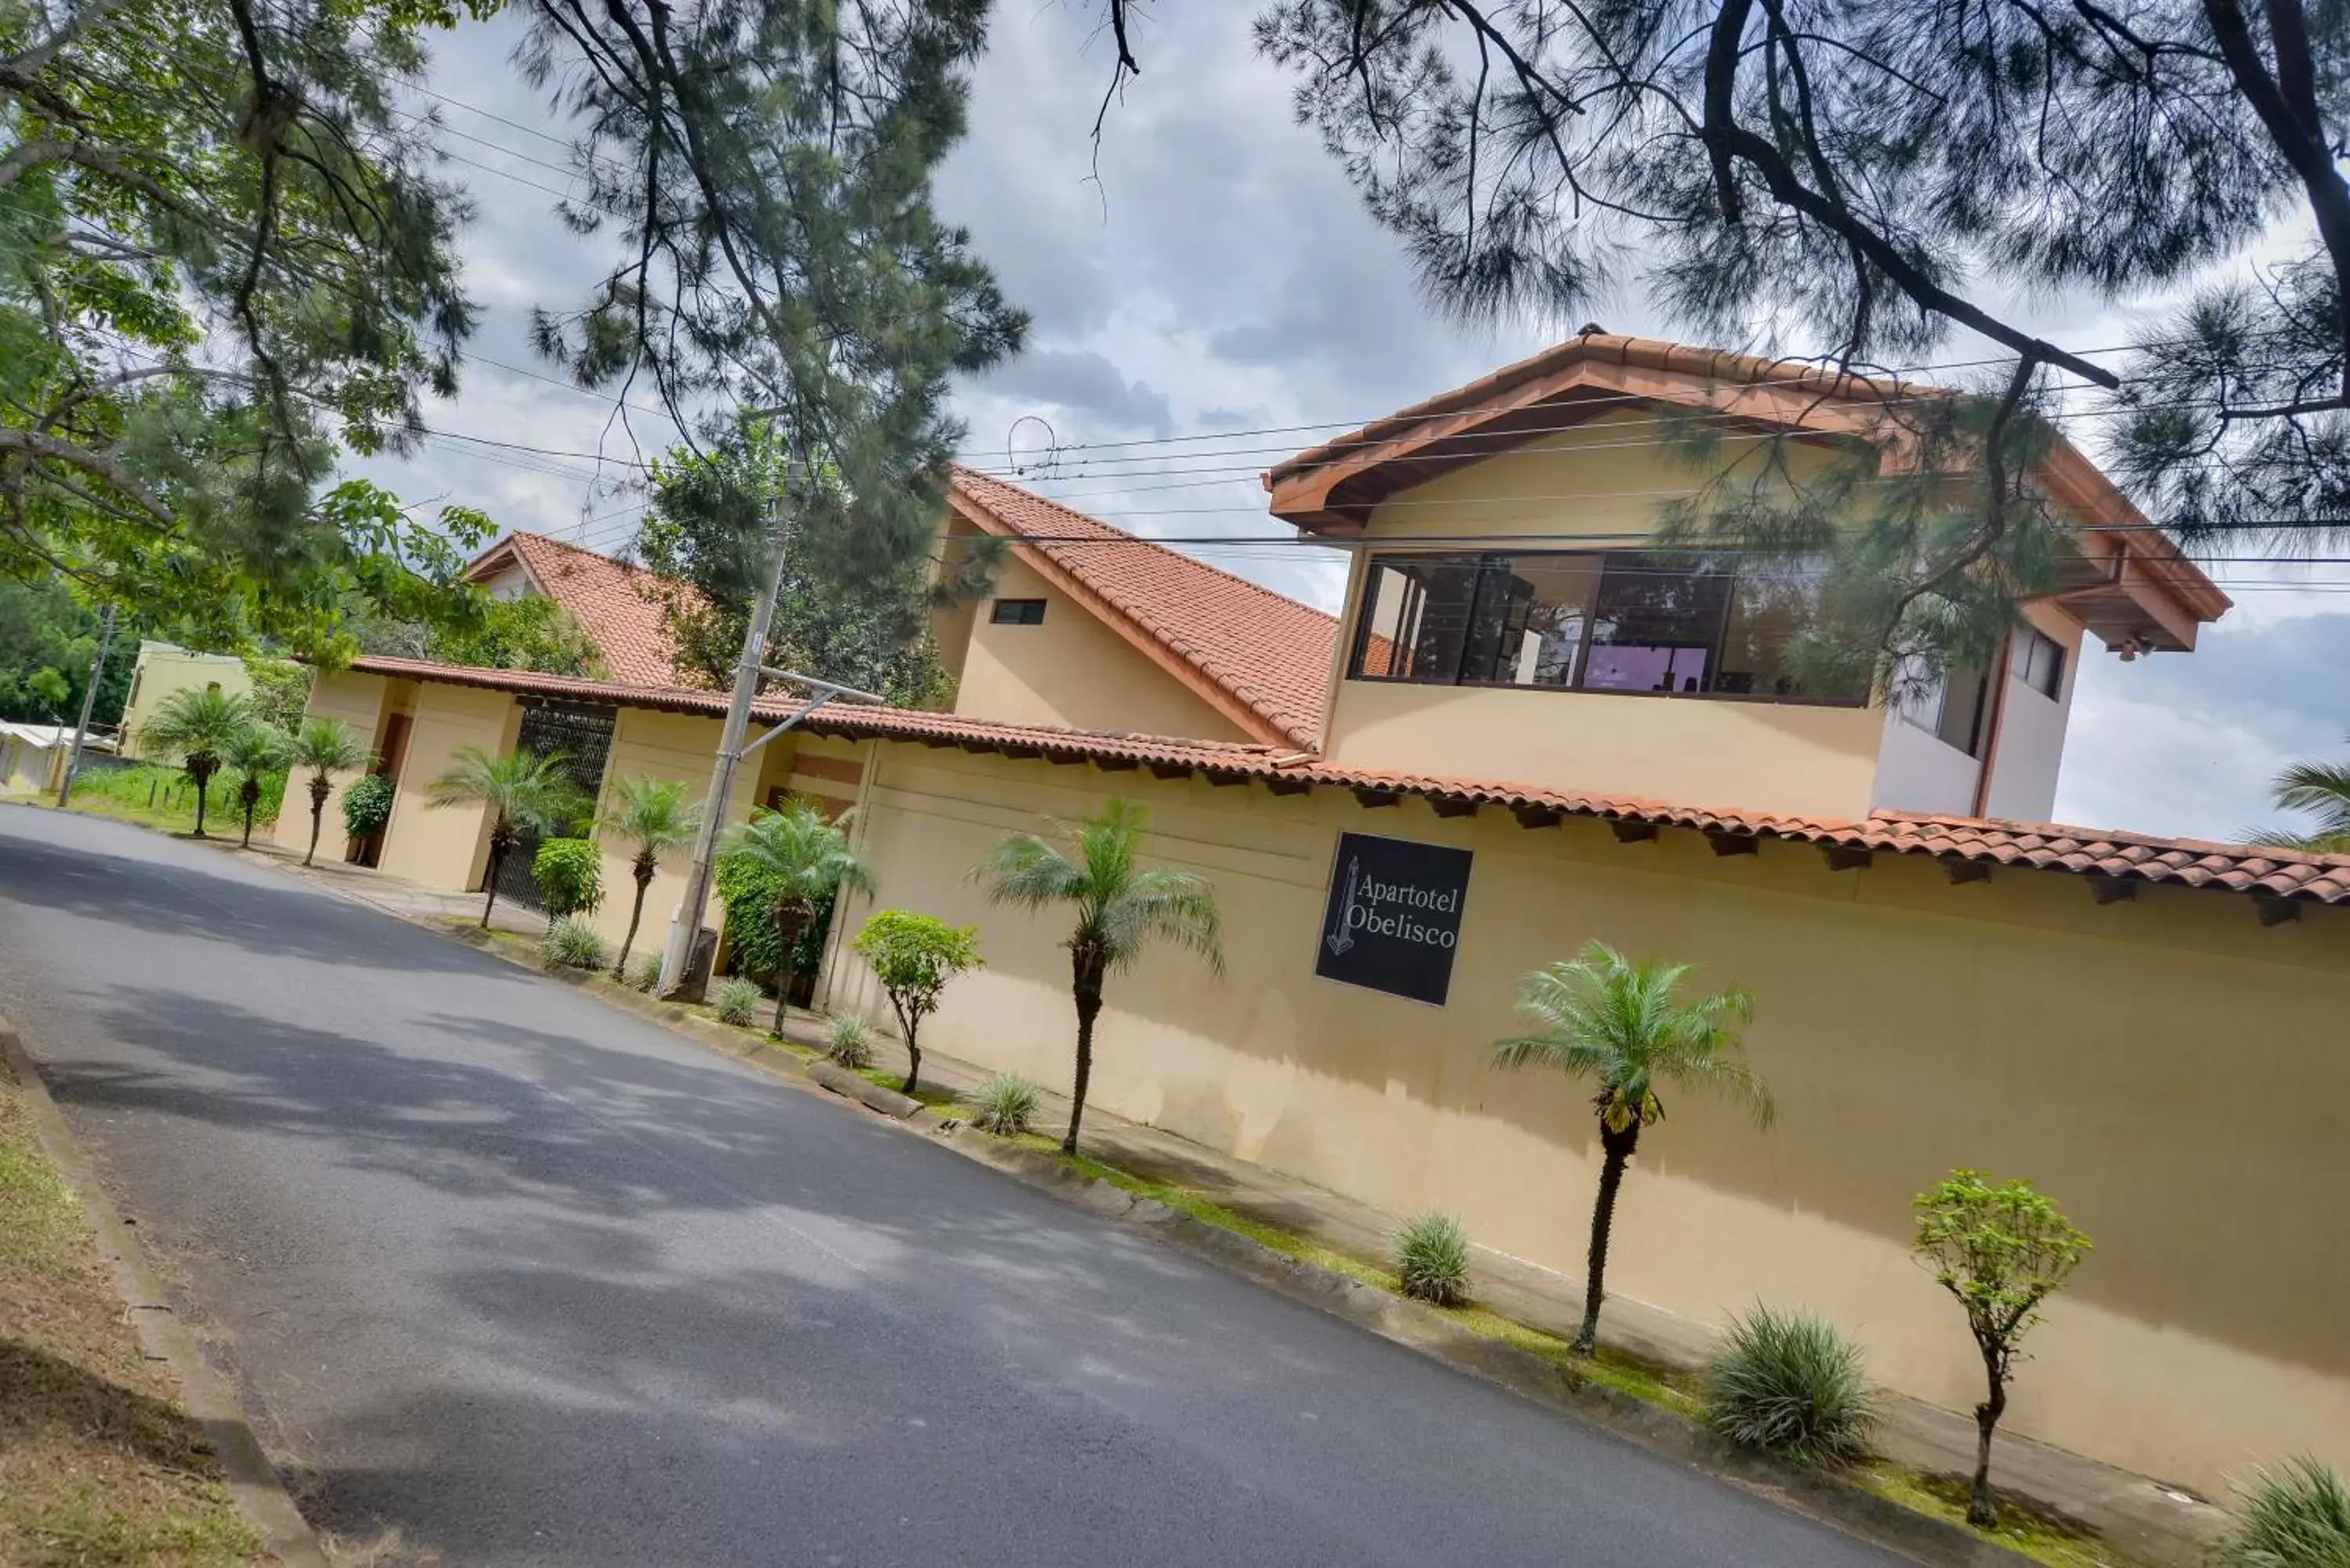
x,y
537,1282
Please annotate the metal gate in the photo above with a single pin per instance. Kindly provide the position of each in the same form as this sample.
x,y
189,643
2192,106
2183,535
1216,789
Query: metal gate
x,y
584,736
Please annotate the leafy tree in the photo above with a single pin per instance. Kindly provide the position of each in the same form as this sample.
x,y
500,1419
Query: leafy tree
x,y
914,957
281,692
520,792
1625,1027
326,747
2000,1249
48,639
529,633
1120,909
657,815
254,751
2323,791
570,877
198,725
803,859
1876,178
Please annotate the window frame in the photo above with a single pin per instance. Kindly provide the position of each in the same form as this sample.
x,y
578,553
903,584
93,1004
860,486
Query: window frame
x,y
995,616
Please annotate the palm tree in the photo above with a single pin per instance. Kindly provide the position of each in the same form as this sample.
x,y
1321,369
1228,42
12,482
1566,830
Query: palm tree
x,y
1625,1026
1120,907
196,725
656,816
2321,789
326,746
252,751
521,790
802,858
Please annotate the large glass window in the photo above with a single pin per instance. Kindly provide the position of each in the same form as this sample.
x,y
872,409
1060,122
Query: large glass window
x,y
1674,623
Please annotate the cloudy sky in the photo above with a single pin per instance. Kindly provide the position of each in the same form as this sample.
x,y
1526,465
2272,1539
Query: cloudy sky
x,y
1217,279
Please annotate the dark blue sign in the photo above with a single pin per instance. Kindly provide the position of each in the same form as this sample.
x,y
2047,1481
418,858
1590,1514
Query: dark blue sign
x,y
1392,921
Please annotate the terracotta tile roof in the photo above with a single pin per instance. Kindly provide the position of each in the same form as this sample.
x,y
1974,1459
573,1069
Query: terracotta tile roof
x,y
2280,877
1267,655
610,600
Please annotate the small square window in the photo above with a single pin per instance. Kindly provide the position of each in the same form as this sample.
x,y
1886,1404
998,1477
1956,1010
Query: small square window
x,y
1018,612
2040,663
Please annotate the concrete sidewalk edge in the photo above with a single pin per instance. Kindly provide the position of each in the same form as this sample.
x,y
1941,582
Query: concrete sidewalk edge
x,y
245,1470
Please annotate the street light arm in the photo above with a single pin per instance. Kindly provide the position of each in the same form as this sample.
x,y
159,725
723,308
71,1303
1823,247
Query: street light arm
x,y
815,702
829,687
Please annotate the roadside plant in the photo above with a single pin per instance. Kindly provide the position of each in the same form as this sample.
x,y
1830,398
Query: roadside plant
x,y
912,957
801,859
197,725
518,791
572,943
1004,1103
2000,1250
1432,1259
849,1041
644,974
2297,1516
736,1001
655,815
326,747
1119,909
1625,1027
367,805
253,751
570,875
1788,1383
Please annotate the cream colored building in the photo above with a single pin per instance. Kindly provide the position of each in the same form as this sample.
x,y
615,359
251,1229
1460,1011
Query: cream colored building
x,y
1932,989
165,668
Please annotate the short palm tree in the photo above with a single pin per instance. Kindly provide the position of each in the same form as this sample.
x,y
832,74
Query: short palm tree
x,y
1120,908
656,816
252,751
2321,789
326,747
802,858
1625,1026
197,725
522,791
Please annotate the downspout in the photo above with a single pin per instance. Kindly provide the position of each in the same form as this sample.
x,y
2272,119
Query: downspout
x,y
1996,719
838,941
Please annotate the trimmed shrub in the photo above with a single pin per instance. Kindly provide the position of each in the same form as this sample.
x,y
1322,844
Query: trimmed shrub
x,y
736,1001
1431,1258
573,944
848,1040
570,875
2297,1516
1004,1103
366,804
644,972
1789,1382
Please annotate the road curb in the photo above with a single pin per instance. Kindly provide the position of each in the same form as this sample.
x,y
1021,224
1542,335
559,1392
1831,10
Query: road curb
x,y
245,1470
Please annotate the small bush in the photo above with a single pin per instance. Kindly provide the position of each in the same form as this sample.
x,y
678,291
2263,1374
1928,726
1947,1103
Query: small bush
x,y
644,972
1431,1257
570,875
1004,1103
849,1042
1789,1382
366,804
2294,1517
736,1001
573,944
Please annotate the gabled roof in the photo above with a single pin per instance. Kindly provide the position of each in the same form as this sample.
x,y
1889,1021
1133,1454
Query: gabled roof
x,y
613,601
1260,659
2128,583
2278,879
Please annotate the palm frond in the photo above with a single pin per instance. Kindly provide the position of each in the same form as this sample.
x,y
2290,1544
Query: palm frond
x,y
198,721
517,788
1119,907
327,746
806,856
1027,873
654,814
1178,906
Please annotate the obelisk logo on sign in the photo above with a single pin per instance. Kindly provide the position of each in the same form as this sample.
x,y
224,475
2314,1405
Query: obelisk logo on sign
x,y
1340,939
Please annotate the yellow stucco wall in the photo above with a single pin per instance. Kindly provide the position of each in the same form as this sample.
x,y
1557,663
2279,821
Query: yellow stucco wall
x,y
670,746
358,701
1073,670
1907,1026
163,669
446,847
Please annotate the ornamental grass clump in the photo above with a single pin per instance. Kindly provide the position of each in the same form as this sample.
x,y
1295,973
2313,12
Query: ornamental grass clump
x,y
572,944
736,1001
849,1041
1788,1383
1004,1103
2297,1516
644,973
1432,1259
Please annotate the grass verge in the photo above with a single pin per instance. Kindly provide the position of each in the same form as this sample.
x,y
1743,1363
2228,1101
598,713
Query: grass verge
x,y
98,1464
157,796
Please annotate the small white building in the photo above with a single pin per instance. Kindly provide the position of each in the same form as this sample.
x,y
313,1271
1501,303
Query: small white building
x,y
33,756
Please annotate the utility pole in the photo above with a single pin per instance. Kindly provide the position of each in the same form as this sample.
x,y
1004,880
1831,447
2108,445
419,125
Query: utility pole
x,y
88,698
687,923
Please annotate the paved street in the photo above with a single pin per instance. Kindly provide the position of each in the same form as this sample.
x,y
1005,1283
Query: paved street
x,y
539,1283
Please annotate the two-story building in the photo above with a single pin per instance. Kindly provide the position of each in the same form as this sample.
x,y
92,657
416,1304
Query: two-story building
x,y
1525,731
